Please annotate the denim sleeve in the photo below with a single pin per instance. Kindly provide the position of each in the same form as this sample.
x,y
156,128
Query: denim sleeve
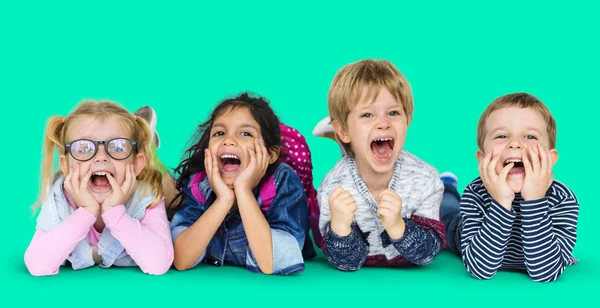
x,y
190,212
288,218
346,253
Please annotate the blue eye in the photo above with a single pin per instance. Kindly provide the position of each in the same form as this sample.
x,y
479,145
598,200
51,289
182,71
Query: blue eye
x,y
501,137
366,115
394,113
531,137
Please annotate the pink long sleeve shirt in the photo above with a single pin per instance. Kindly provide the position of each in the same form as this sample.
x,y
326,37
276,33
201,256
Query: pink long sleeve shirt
x,y
147,241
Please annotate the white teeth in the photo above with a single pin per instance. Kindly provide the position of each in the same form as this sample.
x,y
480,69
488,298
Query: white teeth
x,y
513,160
383,139
100,173
229,156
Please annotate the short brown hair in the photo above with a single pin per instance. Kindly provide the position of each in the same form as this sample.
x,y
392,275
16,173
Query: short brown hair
x,y
523,100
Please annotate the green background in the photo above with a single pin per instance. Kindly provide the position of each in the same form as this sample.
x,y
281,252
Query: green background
x,y
182,58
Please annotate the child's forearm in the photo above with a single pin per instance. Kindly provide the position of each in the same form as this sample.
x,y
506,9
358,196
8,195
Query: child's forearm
x,y
484,239
546,250
191,243
257,230
148,242
346,253
48,250
418,245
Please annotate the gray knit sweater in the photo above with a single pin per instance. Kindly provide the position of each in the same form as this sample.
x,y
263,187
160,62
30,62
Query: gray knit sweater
x,y
421,190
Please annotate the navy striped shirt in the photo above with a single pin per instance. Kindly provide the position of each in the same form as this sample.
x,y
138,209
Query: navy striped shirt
x,y
537,235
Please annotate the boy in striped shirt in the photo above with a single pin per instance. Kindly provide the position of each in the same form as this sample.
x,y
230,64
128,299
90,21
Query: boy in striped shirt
x,y
515,216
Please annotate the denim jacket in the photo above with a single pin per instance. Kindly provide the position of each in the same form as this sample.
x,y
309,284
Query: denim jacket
x,y
56,208
287,216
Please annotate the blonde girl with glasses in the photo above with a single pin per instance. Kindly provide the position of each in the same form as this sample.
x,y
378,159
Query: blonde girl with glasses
x,y
104,205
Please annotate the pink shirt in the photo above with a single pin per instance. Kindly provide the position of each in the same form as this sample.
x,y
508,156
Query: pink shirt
x,y
148,241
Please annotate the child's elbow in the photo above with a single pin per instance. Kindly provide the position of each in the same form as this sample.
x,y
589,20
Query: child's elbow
x,y
482,276
161,266
38,267
182,265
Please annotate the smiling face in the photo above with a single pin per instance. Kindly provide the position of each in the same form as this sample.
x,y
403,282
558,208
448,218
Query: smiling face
x,y
376,131
231,136
509,130
100,129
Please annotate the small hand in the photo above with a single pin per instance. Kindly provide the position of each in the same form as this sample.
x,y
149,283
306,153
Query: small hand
x,y
211,166
120,193
538,172
342,207
496,184
257,166
79,190
390,212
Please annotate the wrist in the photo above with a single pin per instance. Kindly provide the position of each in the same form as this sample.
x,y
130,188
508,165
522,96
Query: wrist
x,y
527,197
225,201
106,208
341,229
397,231
241,189
507,204
93,211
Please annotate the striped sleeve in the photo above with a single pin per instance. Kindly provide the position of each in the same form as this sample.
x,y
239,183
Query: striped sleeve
x,y
549,233
485,233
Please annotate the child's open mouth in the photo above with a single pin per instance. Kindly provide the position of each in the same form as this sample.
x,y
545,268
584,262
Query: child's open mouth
x,y
99,181
230,163
517,168
382,148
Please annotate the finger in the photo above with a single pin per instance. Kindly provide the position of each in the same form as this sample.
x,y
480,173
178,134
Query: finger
x,y
526,162
207,162
535,159
67,181
214,166
127,183
113,183
484,167
388,198
133,184
252,155
259,152
492,169
544,158
505,171
391,195
336,192
383,212
352,207
75,179
265,153
386,205
345,199
83,185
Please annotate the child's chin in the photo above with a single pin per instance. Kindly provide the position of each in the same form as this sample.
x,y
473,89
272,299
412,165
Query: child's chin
x,y
100,197
516,185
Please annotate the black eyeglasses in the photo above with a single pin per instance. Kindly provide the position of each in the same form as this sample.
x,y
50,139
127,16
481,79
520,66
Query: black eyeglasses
x,y
85,149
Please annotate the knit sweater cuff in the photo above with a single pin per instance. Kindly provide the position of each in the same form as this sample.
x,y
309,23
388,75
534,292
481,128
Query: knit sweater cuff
x,y
417,245
346,253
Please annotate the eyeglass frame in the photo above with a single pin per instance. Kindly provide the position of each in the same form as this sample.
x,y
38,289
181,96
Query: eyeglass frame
x,y
97,145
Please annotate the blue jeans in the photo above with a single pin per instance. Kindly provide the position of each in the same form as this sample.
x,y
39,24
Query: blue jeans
x,y
451,217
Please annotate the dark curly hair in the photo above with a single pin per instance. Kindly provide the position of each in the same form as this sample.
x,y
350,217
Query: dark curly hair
x,y
193,158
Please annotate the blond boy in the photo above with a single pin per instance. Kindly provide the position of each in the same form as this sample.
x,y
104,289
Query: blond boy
x,y
379,204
